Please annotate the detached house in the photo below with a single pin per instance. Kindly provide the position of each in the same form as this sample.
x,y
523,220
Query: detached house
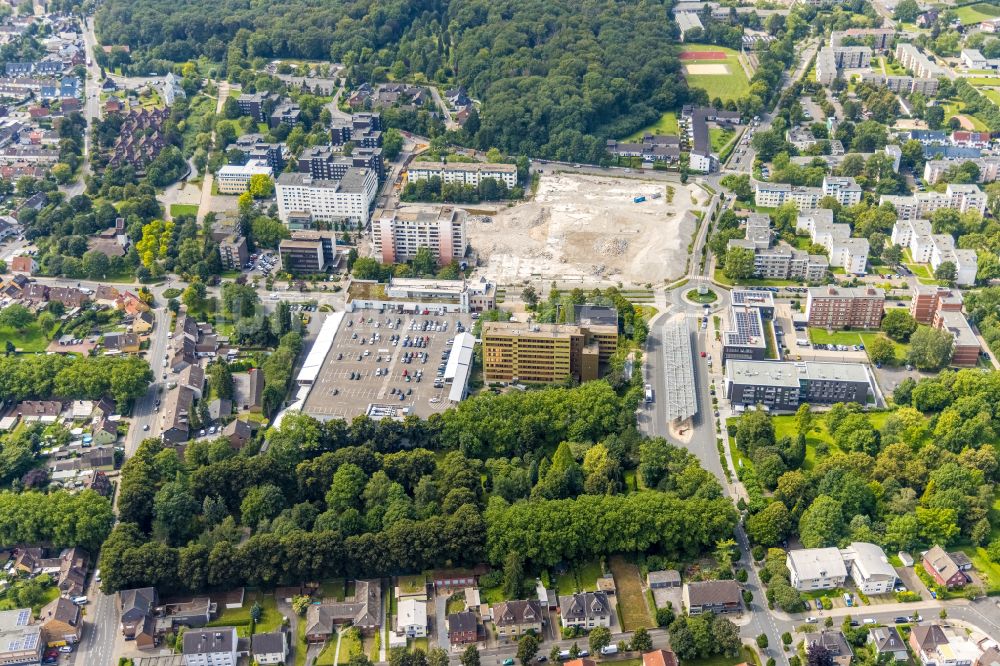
x,y
713,596
270,648
137,622
585,610
888,640
835,643
61,622
514,618
463,628
943,568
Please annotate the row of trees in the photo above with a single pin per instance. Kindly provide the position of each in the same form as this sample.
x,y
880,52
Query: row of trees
x,y
123,378
59,519
391,504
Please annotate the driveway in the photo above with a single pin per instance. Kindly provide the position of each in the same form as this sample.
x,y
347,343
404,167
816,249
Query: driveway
x,y
441,621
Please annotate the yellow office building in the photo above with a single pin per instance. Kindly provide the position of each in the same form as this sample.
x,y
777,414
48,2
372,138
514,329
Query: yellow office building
x,y
545,353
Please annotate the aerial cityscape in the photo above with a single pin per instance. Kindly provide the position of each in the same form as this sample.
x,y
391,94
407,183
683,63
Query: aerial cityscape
x,y
454,332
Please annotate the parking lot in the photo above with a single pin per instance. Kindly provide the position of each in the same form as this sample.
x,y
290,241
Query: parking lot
x,y
388,361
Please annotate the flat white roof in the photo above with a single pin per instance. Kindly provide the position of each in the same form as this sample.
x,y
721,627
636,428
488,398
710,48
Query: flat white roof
x,y
320,348
252,169
459,365
812,563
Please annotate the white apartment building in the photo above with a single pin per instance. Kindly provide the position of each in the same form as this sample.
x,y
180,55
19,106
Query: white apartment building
x,y
989,168
910,57
210,646
921,205
236,179
927,247
816,568
869,567
845,190
849,253
467,173
398,234
346,200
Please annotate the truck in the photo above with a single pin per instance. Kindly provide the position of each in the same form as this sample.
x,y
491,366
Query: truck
x,y
649,393
638,199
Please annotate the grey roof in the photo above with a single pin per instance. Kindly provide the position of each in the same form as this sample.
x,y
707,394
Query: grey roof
x,y
833,641
710,592
584,606
516,612
210,640
681,401
269,643
886,639
136,603
810,563
462,622
596,314
665,576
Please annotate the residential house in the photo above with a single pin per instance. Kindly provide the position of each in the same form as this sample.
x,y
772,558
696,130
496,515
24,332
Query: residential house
x,y
363,611
869,567
270,648
136,608
585,610
97,481
449,579
659,658
104,431
411,618
196,612
72,576
23,264
580,662
943,568
835,644
713,596
816,568
214,646
106,295
44,411
103,408
176,412
934,645
121,343
463,628
514,618
28,560
61,622
143,322
238,432
663,579
131,304
888,641
249,390
219,408
71,297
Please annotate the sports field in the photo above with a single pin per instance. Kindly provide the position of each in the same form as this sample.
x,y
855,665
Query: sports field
x,y
977,13
716,70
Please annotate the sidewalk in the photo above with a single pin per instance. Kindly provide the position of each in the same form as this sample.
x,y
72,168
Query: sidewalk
x,y
874,609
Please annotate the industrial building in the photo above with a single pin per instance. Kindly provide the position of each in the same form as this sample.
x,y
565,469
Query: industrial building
x,y
783,386
833,307
746,337
546,353
398,234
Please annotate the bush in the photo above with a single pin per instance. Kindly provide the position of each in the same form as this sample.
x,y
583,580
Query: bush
x,y
664,617
904,597
827,604
993,550
758,553
747,596
742,575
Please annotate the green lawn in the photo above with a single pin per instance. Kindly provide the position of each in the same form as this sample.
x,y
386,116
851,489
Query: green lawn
x,y
566,583
720,276
419,643
820,336
30,340
992,95
708,297
720,138
587,574
48,594
748,656
493,595
176,210
350,644
977,13
732,85
901,349
456,604
270,618
667,124
983,80
989,571
300,643
411,584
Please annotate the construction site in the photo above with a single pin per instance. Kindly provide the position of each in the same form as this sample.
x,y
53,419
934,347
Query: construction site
x,y
590,230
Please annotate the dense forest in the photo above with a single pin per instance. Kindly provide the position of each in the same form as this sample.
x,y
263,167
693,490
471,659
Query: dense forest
x,y
555,76
474,484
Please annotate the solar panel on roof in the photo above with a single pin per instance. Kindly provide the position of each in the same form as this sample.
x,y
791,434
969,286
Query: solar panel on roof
x,y
23,618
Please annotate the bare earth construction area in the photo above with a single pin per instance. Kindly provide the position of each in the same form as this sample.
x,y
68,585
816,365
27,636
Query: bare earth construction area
x,y
589,229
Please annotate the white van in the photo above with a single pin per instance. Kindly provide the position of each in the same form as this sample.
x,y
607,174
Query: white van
x,y
609,649
79,601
